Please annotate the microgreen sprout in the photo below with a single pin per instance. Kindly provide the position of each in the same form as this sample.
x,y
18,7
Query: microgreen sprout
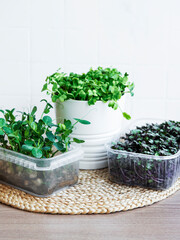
x,y
36,138
102,84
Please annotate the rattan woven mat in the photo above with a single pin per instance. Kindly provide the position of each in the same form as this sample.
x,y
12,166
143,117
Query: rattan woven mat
x,y
93,194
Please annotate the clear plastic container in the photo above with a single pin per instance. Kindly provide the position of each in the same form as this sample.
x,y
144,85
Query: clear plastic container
x,y
136,169
40,177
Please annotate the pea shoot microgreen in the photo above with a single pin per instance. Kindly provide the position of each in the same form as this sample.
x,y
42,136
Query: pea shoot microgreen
x,y
37,138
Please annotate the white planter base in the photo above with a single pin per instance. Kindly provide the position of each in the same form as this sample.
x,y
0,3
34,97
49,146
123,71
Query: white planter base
x,y
105,127
92,165
95,154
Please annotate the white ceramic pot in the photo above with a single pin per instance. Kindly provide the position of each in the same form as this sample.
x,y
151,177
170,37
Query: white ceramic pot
x,y
105,126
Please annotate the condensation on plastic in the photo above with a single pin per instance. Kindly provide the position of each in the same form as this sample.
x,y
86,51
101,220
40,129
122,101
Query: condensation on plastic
x,y
40,177
136,169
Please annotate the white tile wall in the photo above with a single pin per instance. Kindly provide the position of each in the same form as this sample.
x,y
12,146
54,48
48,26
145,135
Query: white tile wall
x,y
173,83
81,46
47,45
14,13
80,14
153,80
46,14
141,37
14,80
14,45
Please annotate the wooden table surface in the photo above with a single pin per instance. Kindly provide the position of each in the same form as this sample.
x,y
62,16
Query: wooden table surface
x,y
158,221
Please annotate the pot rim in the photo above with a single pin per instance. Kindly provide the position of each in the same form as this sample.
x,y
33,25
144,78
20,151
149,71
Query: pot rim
x,y
85,101
74,100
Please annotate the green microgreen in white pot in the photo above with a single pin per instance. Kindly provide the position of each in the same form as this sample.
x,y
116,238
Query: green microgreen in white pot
x,y
102,84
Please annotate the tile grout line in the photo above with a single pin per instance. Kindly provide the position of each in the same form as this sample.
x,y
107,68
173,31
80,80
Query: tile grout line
x,y
64,37
29,68
167,57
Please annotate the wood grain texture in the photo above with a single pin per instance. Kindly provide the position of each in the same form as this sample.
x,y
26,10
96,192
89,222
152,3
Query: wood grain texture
x,y
160,221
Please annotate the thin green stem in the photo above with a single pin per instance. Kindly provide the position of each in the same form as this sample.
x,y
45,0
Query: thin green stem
x,y
54,153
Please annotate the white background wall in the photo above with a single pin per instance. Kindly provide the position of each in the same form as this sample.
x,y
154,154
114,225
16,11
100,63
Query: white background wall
x,y
141,37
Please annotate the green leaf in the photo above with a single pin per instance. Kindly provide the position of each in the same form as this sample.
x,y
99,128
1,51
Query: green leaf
x,y
7,130
82,94
82,121
62,126
111,104
2,122
17,125
68,124
26,134
2,111
47,108
135,131
90,92
34,110
50,136
92,101
78,140
54,98
31,119
47,120
44,100
115,107
12,135
59,138
27,147
34,126
111,89
54,88
1,132
37,153
131,86
46,148
45,87
104,89
58,145
29,142
127,116
62,98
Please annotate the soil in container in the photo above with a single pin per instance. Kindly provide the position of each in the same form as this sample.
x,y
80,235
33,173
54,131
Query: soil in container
x,y
42,182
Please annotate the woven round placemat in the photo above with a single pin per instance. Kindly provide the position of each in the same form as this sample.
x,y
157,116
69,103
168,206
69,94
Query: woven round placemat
x,y
94,194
